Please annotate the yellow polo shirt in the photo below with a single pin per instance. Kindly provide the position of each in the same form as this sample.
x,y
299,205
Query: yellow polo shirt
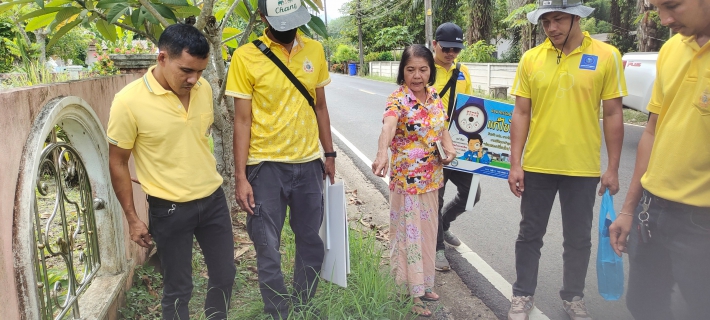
x,y
679,167
284,126
463,83
170,146
564,136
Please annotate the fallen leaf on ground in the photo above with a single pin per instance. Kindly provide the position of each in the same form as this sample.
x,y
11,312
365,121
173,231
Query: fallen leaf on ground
x,y
148,284
240,252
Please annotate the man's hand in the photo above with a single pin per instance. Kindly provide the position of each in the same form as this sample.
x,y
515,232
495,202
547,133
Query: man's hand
x,y
516,180
610,180
139,233
245,195
619,233
329,169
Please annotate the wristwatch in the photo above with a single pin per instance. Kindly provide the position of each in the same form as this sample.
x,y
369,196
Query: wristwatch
x,y
330,154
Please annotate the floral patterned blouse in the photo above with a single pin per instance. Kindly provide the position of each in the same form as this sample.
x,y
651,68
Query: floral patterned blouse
x,y
415,166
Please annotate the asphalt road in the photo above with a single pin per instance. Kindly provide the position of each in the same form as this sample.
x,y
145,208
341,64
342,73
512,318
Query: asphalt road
x,y
356,106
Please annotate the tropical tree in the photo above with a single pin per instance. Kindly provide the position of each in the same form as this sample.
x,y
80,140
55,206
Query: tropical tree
x,y
148,19
623,14
480,17
650,33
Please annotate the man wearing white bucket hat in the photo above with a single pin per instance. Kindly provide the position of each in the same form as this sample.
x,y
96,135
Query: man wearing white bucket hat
x,y
280,115
558,87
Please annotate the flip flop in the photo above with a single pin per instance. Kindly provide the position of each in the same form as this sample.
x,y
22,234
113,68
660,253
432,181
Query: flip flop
x,y
425,298
424,309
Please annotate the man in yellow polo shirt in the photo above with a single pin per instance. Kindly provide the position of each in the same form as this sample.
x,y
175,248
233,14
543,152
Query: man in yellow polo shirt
x,y
670,187
447,46
164,120
276,149
559,86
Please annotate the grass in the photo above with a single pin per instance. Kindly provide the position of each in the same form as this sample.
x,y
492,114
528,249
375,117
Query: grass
x,y
371,291
381,78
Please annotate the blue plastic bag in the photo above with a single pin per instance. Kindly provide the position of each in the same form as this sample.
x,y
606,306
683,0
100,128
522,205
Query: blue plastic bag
x,y
610,267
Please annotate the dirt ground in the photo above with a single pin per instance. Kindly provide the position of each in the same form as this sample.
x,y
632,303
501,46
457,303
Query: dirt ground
x,y
368,208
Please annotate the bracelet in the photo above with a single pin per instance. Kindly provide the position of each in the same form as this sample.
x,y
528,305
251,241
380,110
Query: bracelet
x,y
625,214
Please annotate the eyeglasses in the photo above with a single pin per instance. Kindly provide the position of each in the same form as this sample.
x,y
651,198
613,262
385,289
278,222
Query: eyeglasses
x,y
447,50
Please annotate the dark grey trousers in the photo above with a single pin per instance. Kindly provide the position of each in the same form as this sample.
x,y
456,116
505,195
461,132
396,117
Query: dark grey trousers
x,y
577,196
300,187
172,226
677,253
457,206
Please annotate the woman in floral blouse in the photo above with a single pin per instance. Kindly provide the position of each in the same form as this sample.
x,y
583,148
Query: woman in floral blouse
x,y
414,121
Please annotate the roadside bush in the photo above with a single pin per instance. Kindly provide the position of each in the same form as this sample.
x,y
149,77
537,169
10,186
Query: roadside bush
x,y
479,52
379,56
345,53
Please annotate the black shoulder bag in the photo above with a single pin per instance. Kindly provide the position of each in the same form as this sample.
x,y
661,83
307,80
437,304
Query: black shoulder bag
x,y
264,49
451,84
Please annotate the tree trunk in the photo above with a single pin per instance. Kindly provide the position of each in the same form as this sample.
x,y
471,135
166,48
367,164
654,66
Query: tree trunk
x,y
647,35
480,15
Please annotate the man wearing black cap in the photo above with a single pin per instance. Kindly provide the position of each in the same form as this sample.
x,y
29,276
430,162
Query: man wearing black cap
x,y
454,78
277,128
555,146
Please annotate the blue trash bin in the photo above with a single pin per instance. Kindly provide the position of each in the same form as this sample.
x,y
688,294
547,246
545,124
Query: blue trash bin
x,y
352,68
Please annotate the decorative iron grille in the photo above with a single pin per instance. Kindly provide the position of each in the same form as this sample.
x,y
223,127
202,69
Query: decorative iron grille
x,y
67,249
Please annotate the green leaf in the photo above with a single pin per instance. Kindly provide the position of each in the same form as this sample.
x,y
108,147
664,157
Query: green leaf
x,y
229,32
165,12
40,3
305,31
116,12
157,30
136,18
57,3
180,3
318,26
147,15
66,13
107,30
9,5
40,22
312,5
242,11
39,12
219,15
105,4
62,31
184,12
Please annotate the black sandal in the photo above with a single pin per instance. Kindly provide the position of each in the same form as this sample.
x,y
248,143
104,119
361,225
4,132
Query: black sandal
x,y
425,298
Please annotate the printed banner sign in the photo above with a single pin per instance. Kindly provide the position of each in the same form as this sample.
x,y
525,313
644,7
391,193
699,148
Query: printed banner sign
x,y
480,129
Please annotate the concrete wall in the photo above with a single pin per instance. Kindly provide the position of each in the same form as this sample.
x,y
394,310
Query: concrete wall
x,y
18,109
483,75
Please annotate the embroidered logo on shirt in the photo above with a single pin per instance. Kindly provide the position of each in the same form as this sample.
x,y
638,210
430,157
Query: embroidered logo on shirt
x,y
461,76
308,66
704,100
589,62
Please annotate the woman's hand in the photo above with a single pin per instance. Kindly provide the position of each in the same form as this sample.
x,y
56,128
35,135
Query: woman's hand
x,y
448,145
379,166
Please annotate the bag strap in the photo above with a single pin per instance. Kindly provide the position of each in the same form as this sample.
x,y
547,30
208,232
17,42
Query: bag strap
x,y
452,95
264,49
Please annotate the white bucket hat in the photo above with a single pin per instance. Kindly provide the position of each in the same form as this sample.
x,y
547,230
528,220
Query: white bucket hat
x,y
574,7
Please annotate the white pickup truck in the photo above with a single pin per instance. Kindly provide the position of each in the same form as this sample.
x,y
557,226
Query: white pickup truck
x,y
640,72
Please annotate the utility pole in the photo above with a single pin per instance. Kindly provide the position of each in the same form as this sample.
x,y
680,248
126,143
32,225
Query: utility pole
x,y
359,36
428,23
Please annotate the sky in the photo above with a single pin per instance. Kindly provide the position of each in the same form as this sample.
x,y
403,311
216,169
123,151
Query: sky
x,y
333,8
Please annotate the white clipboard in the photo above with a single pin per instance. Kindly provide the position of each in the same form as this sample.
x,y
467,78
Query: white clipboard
x,y
335,235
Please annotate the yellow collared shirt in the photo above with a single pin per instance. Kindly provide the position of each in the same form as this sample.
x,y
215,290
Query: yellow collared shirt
x,y
170,145
564,136
463,83
284,126
679,167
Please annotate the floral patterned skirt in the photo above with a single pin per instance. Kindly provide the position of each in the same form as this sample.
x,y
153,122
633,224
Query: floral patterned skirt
x,y
413,228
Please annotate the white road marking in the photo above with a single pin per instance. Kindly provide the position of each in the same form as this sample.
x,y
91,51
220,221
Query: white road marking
x,y
357,152
367,92
474,259
494,277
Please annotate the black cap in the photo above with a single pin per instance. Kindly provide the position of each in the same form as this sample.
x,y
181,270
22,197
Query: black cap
x,y
449,35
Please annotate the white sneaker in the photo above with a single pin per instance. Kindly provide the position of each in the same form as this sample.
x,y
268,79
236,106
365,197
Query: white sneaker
x,y
576,310
520,307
